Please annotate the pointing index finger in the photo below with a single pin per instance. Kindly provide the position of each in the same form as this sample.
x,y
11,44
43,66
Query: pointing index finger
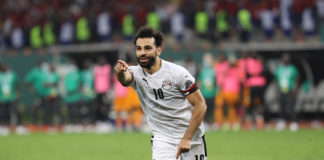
x,y
178,153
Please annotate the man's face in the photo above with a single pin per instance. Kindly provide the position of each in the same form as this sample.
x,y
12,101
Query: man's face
x,y
146,52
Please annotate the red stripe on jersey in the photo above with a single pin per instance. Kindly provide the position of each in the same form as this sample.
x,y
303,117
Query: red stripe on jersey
x,y
192,87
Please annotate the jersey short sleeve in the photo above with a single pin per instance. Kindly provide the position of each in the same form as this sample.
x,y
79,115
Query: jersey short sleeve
x,y
186,82
134,71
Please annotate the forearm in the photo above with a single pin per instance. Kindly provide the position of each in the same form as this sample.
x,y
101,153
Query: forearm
x,y
196,119
124,77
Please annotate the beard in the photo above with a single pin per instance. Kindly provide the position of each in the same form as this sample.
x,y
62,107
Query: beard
x,y
149,63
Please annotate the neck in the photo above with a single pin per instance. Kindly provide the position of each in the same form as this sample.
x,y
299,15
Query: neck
x,y
155,67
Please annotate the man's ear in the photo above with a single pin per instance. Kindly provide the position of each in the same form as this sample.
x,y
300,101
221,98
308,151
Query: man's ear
x,y
159,51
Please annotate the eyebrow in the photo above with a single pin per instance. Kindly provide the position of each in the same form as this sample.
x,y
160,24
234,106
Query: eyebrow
x,y
146,46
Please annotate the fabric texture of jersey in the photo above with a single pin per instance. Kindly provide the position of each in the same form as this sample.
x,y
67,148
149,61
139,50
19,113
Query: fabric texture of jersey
x,y
163,99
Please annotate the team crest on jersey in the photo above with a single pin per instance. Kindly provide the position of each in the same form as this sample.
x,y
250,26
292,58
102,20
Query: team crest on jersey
x,y
167,85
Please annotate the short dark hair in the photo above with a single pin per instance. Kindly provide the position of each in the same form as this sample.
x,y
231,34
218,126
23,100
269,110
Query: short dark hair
x,y
149,32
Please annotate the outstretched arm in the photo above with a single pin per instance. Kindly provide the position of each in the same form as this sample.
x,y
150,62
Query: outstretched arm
x,y
198,113
124,76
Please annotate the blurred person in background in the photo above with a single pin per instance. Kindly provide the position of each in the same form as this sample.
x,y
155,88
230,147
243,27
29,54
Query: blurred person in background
x,y
287,77
222,23
34,81
267,17
121,106
104,27
177,24
135,114
72,97
320,13
232,87
244,24
18,38
191,66
242,64
220,69
102,85
256,81
66,32
88,93
207,83
201,22
9,114
285,17
51,100
308,21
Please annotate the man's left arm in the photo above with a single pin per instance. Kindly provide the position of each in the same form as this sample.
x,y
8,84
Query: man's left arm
x,y
198,101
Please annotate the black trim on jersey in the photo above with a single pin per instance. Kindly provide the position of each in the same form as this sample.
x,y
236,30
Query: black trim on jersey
x,y
195,88
144,72
152,141
203,138
192,89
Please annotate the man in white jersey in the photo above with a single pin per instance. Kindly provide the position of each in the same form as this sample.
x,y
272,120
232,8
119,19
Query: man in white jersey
x,y
173,104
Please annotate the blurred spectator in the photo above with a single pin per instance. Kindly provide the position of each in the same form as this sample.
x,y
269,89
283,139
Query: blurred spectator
x,y
256,82
320,12
191,66
267,20
48,34
177,22
308,22
222,24
104,26
153,20
18,38
220,69
121,104
207,81
9,115
82,30
201,24
35,37
51,99
244,24
102,84
88,93
66,33
285,16
72,98
287,81
128,27
34,80
232,87
135,113
48,22
243,65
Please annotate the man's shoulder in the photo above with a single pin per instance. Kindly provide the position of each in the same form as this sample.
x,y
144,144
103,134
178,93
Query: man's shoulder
x,y
134,68
173,67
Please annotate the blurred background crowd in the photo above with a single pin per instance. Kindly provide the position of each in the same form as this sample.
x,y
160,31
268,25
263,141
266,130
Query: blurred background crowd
x,y
257,62
39,23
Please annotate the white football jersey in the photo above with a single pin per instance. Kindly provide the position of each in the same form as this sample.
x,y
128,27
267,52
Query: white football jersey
x,y
163,99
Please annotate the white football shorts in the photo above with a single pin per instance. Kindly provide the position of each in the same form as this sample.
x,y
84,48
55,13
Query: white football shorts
x,y
162,150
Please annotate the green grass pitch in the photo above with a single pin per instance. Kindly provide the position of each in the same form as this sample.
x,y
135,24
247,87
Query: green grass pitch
x,y
244,145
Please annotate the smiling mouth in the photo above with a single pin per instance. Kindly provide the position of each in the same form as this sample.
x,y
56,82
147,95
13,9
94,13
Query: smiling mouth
x,y
143,59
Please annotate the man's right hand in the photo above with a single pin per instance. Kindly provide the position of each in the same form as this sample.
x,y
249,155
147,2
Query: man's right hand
x,y
122,73
121,66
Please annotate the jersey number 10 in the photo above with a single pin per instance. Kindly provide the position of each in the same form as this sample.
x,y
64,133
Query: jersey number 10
x,y
158,93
